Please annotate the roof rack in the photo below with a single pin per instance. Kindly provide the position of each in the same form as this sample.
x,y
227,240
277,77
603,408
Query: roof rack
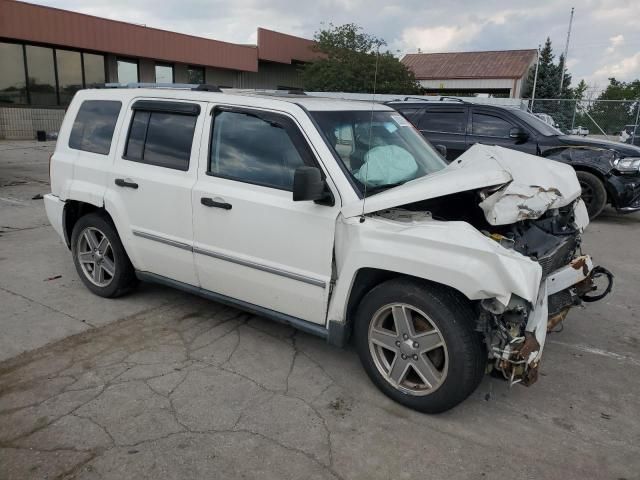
x,y
452,99
424,99
175,86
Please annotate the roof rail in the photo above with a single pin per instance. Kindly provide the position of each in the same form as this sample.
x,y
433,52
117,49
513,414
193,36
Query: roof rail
x,y
420,99
452,99
174,86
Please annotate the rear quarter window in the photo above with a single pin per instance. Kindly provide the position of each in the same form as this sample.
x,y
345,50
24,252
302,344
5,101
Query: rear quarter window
x,y
94,125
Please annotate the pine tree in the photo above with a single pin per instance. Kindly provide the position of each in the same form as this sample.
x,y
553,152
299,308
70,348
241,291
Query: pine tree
x,y
548,95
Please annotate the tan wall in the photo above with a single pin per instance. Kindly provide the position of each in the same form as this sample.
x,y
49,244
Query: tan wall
x,y
22,123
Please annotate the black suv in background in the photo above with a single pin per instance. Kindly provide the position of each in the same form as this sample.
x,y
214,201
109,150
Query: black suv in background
x,y
609,172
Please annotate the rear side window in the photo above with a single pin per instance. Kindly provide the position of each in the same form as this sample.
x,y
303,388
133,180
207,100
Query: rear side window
x,y
161,138
490,126
449,121
259,148
94,125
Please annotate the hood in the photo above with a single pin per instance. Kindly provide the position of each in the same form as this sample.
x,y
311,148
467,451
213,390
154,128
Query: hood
x,y
527,185
622,148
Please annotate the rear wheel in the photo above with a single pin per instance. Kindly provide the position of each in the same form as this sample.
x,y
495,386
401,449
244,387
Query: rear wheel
x,y
418,345
100,258
594,194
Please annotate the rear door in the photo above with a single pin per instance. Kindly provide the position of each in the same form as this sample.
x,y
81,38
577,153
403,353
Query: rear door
x,y
494,127
445,125
150,188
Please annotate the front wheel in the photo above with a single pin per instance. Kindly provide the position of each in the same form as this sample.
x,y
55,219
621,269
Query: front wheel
x,y
417,343
594,194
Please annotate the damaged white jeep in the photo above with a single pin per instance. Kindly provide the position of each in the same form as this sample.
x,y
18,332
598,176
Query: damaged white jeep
x,y
335,217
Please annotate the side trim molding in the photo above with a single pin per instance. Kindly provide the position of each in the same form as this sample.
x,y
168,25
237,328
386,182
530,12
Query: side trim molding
x,y
166,241
246,263
264,268
298,323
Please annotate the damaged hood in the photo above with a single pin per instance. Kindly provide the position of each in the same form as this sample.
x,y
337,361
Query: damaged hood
x,y
524,186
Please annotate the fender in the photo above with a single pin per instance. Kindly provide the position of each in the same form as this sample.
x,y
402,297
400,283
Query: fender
x,y
450,253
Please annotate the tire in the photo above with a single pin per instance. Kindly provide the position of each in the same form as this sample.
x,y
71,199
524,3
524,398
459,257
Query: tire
x,y
438,315
107,272
594,194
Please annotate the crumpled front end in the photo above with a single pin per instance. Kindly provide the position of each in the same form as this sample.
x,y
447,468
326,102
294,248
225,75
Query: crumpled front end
x,y
515,334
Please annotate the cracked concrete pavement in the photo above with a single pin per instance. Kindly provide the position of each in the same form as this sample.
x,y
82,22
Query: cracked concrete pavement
x,y
161,384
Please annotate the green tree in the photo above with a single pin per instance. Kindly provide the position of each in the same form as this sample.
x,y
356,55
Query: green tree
x,y
613,116
580,90
348,64
548,94
548,83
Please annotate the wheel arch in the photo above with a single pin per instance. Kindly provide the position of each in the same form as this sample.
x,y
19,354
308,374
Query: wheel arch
x,y
73,211
367,278
599,175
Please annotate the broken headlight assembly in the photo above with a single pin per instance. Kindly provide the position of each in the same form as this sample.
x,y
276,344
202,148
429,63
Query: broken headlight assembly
x,y
628,165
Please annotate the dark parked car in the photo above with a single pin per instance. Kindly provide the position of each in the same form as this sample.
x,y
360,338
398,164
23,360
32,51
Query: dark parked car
x,y
609,172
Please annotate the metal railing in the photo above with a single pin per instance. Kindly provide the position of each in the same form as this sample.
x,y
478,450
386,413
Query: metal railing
x,y
611,119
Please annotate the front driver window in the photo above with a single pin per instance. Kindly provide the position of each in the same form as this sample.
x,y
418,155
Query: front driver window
x,y
490,126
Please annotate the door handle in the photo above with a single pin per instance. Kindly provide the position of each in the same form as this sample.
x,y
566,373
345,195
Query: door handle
x,y
121,182
210,202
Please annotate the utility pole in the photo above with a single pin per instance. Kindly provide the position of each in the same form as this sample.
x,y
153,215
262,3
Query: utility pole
x,y
566,51
535,78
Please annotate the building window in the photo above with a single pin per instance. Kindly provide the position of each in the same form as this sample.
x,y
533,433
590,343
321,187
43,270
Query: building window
x,y
69,67
93,69
195,75
42,76
94,125
13,85
164,73
127,71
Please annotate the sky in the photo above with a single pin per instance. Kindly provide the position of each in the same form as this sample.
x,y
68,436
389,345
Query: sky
x,y
605,38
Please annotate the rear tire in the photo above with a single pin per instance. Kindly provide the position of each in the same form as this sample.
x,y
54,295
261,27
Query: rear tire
x,y
417,343
100,258
594,194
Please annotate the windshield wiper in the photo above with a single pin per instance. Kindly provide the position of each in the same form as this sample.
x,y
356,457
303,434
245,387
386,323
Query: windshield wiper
x,y
380,188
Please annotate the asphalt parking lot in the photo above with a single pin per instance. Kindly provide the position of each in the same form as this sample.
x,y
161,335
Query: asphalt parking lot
x,y
161,384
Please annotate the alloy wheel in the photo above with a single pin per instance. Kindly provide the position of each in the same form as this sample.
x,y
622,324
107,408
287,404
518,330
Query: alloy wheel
x,y
408,349
95,256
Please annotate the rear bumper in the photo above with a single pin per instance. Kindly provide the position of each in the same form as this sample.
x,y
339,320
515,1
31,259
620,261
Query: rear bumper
x,y
55,213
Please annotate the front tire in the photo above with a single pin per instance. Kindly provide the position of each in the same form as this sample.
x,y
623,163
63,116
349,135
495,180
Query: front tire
x,y
594,194
417,343
100,258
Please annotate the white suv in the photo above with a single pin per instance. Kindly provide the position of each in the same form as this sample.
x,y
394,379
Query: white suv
x,y
332,216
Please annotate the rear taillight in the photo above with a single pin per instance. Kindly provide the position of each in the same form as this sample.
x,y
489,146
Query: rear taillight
x,y
50,157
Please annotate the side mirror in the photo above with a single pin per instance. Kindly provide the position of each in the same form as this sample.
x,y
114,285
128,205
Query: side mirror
x,y
309,185
442,150
518,133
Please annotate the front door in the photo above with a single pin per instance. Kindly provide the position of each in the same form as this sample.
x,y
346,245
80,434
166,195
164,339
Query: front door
x,y
252,242
150,189
493,128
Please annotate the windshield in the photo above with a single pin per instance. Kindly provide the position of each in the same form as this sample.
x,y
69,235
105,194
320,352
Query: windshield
x,y
380,149
536,123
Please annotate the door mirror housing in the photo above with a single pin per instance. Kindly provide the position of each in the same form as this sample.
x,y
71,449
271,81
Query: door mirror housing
x,y
442,150
518,133
309,185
